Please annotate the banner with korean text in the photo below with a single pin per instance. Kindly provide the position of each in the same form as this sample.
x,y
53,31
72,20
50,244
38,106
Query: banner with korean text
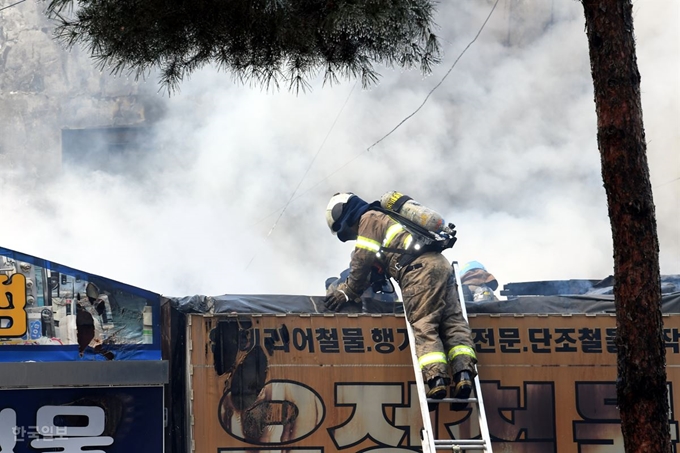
x,y
319,383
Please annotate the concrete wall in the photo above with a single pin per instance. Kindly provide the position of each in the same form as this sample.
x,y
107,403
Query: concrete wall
x,y
45,87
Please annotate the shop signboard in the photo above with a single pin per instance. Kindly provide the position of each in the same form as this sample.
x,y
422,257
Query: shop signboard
x,y
109,419
50,312
318,383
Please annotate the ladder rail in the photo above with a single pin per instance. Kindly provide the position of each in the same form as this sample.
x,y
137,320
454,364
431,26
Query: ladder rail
x,y
426,433
428,442
483,424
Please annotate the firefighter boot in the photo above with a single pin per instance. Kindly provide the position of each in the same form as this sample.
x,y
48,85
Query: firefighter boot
x,y
462,387
437,390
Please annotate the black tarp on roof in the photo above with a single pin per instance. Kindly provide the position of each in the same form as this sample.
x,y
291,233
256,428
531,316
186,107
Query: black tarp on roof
x,y
275,303
670,303
669,284
591,302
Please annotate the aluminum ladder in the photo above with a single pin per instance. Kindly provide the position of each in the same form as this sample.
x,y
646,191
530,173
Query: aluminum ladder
x,y
429,443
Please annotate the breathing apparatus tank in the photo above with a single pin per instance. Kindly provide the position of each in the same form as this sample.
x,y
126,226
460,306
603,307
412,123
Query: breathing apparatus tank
x,y
413,211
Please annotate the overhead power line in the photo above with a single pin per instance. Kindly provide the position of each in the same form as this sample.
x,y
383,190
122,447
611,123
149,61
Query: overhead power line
x,y
440,82
13,4
293,196
668,182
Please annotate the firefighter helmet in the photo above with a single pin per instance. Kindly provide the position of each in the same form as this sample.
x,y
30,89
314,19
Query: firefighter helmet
x,y
471,266
335,207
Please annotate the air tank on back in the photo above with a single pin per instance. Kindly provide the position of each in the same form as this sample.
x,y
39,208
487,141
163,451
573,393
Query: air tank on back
x,y
412,210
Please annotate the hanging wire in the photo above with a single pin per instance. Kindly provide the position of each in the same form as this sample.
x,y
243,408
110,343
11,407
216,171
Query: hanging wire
x,y
309,189
292,196
667,182
13,4
440,82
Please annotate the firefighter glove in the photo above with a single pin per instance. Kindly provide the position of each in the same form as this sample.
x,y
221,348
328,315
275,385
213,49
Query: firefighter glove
x,y
335,300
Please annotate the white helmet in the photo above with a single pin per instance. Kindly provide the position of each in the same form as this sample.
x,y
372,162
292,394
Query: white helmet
x,y
335,208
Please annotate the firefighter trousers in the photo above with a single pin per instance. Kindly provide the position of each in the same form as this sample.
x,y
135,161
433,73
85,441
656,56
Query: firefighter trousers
x,y
443,336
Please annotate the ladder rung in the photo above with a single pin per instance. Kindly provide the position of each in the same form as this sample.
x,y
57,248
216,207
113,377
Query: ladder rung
x,y
460,442
460,447
429,444
452,400
470,444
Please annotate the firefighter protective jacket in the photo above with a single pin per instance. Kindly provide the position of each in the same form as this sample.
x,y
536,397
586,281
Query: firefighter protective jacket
x,y
377,231
428,289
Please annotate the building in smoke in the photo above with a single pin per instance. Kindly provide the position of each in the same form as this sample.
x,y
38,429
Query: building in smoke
x,y
45,88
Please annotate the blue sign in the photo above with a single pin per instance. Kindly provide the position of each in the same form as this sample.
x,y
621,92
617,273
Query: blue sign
x,y
103,420
50,312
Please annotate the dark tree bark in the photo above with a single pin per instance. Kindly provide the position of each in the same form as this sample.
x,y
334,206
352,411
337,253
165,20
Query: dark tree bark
x,y
641,385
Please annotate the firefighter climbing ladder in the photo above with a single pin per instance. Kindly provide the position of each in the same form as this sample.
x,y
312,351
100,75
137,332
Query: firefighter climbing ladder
x,y
429,443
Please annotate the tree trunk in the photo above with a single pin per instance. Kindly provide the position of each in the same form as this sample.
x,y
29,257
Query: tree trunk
x,y
641,385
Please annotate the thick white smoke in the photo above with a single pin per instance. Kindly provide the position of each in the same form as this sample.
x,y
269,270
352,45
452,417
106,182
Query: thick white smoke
x,y
505,149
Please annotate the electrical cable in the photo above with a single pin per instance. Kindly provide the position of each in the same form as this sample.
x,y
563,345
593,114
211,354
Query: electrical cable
x,y
13,4
307,170
440,82
309,189
667,182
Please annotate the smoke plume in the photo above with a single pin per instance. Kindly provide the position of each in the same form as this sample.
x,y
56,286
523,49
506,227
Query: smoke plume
x,y
231,196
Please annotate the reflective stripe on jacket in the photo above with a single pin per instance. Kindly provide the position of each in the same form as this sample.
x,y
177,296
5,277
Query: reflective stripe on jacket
x,y
376,231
